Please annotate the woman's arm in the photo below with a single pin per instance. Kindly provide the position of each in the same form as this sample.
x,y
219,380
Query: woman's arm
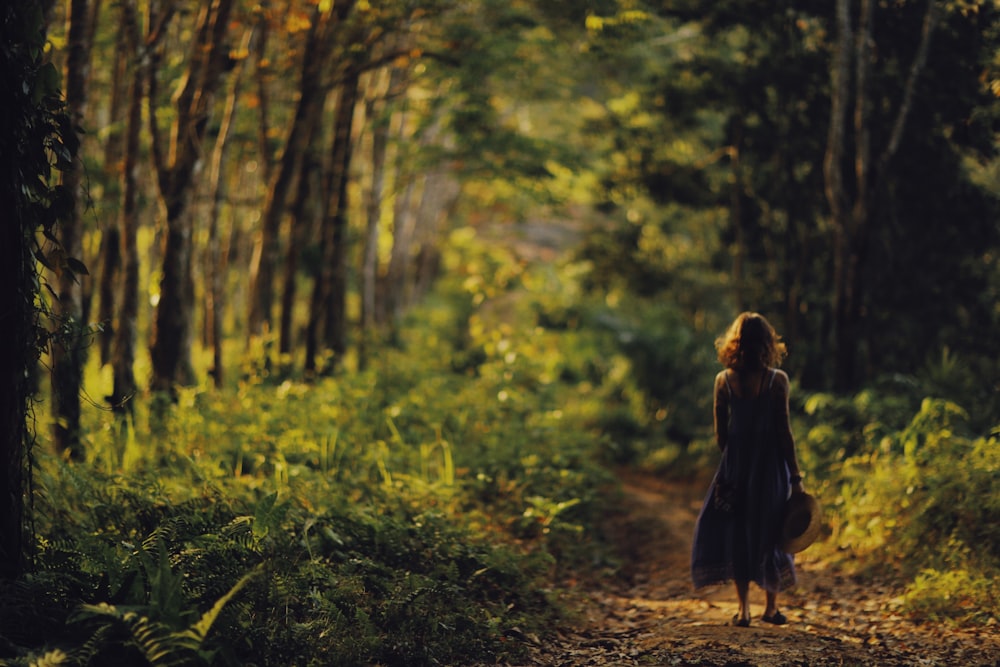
x,y
783,428
721,410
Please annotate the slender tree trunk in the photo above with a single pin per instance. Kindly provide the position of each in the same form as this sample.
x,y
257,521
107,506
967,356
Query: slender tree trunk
x,y
214,267
126,333
111,260
110,252
312,95
22,34
170,348
853,212
327,311
381,85
404,223
302,216
17,276
399,278
262,70
68,351
440,194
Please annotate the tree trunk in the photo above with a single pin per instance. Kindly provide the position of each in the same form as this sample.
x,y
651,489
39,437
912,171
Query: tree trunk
x,y
400,273
327,308
110,250
381,85
24,166
215,268
16,355
853,211
170,348
68,350
262,69
404,223
303,214
111,263
440,194
126,333
312,95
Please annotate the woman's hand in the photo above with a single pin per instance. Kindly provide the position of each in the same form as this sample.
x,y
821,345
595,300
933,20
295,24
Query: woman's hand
x,y
796,482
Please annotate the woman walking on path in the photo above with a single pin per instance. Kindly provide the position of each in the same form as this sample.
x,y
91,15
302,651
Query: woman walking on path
x,y
738,534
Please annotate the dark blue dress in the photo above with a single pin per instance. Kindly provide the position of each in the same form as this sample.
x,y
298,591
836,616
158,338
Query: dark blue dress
x,y
742,545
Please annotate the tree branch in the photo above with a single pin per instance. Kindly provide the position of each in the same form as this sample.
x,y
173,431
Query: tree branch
x,y
833,160
919,62
862,127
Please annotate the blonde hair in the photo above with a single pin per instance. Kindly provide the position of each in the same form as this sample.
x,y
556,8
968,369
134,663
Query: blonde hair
x,y
750,343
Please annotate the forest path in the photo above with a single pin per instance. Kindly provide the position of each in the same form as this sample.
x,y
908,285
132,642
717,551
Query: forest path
x,y
653,617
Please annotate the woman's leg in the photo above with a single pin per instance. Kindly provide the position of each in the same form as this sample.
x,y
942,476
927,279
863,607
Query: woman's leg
x,y
771,608
743,593
771,613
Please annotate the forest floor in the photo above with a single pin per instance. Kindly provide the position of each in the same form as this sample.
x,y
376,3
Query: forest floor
x,y
652,616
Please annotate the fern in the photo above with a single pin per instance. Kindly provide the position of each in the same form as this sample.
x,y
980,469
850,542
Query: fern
x,y
159,643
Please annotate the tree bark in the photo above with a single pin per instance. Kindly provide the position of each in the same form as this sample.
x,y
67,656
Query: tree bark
x,y
110,250
126,333
262,69
312,95
171,340
853,212
327,308
303,215
381,86
440,194
215,267
23,170
68,350
400,275
17,319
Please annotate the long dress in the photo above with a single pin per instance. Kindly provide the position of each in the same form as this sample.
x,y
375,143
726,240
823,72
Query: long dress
x,y
742,545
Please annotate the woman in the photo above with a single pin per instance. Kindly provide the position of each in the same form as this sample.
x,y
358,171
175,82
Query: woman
x,y
736,538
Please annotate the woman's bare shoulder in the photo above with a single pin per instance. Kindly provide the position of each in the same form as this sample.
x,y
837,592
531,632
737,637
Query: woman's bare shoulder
x,y
781,381
721,385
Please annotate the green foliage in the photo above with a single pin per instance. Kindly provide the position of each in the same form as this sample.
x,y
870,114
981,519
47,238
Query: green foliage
x,y
720,115
417,512
922,497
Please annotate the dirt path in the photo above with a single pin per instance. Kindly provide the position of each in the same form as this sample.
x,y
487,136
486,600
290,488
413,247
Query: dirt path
x,y
653,617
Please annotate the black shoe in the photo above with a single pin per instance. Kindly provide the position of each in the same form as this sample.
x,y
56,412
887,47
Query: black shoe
x,y
741,622
775,619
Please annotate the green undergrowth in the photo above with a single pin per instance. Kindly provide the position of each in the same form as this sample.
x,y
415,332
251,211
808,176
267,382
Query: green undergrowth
x,y
421,510
909,486
425,507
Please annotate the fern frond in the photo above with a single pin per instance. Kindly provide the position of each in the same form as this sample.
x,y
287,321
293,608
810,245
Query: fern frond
x,y
199,630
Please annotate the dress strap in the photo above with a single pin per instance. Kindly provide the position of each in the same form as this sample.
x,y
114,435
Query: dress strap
x,y
774,374
728,386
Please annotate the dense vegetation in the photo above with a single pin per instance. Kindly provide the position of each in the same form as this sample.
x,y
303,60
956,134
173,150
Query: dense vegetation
x,y
515,287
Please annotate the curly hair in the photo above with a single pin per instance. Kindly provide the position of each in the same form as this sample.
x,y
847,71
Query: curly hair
x,y
750,343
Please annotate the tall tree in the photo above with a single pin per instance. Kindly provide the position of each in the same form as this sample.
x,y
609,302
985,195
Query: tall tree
x,y
381,86
68,353
327,323
176,170
312,95
215,265
854,209
32,128
110,250
126,332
